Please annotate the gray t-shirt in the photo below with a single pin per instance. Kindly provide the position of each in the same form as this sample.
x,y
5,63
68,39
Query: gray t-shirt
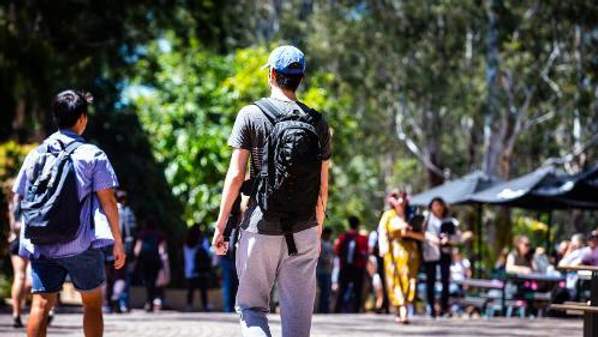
x,y
250,131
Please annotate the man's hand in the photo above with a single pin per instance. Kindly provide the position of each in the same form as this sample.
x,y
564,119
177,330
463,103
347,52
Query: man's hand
x,y
119,255
220,246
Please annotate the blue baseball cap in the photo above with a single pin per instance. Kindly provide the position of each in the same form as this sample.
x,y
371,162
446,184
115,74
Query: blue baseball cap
x,y
287,60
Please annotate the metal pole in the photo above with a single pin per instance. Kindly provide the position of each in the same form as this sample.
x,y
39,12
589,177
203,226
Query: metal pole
x,y
479,241
503,296
590,326
548,237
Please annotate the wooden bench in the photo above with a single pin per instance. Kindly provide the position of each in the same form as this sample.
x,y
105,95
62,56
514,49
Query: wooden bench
x,y
539,299
489,305
588,310
574,307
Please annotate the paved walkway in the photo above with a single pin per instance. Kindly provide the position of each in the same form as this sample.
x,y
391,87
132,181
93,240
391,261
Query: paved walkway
x,y
166,324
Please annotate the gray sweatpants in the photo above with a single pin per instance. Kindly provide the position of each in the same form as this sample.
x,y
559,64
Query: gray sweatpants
x,y
263,260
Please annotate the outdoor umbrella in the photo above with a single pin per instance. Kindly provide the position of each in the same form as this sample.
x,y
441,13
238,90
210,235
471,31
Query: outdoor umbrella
x,y
573,191
456,191
546,188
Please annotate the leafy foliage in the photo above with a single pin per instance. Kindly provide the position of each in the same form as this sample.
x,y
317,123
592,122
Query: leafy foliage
x,y
415,91
12,155
187,102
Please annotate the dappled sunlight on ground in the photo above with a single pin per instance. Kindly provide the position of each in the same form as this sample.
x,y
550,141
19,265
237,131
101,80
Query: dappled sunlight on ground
x,y
140,324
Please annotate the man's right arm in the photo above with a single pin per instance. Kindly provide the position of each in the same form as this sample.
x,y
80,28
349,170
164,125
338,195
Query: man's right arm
x,y
232,185
12,220
19,187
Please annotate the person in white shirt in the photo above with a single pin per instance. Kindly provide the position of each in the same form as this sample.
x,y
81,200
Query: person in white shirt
x,y
575,251
441,234
460,268
572,257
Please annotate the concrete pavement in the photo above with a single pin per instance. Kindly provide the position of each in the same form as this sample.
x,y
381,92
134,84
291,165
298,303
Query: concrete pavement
x,y
166,324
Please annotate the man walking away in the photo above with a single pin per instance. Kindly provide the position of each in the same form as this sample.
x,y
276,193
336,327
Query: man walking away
x,y
66,192
352,250
289,146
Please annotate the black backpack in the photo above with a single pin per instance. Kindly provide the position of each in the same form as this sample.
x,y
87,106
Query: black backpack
x,y
348,255
447,228
288,185
51,208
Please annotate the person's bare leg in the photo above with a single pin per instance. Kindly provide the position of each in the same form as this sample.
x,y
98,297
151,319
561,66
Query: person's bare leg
x,y
402,311
93,322
19,266
40,306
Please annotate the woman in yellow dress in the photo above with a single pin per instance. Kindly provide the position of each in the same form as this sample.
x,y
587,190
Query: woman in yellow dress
x,y
398,243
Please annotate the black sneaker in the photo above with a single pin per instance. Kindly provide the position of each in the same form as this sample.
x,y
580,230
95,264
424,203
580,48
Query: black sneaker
x,y
16,322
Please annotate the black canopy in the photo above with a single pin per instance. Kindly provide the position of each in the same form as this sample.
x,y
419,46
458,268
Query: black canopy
x,y
457,191
544,189
573,191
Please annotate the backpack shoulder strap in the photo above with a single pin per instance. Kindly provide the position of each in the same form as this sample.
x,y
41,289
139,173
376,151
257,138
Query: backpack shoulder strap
x,y
73,146
39,163
313,114
269,110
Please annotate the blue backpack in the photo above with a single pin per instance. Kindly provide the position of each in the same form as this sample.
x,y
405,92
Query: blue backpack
x,y
51,208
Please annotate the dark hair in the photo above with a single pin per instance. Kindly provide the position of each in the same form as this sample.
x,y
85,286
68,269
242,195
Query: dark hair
x,y
288,82
327,232
353,222
68,106
442,202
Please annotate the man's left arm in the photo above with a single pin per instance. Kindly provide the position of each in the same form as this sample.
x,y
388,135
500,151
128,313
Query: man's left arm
x,y
104,181
323,196
321,206
108,203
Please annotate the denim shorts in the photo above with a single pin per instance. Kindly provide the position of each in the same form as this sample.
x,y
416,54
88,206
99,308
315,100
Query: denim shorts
x,y
85,270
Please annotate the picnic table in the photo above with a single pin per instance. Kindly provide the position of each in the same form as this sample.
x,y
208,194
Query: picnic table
x,y
507,305
545,285
550,278
589,310
481,283
482,301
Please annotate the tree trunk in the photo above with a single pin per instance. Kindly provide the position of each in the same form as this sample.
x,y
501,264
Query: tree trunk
x,y
495,162
19,120
433,152
492,142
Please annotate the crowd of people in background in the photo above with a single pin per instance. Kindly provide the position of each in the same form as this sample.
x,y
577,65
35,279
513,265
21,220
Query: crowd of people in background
x,y
411,254
382,270
389,260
